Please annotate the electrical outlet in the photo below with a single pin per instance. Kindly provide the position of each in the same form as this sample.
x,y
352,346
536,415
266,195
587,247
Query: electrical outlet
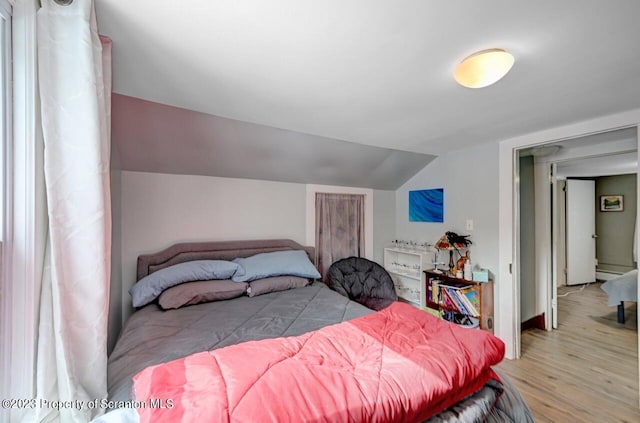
x,y
469,224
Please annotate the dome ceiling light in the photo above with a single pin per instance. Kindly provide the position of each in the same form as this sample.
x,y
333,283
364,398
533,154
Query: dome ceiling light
x,y
483,68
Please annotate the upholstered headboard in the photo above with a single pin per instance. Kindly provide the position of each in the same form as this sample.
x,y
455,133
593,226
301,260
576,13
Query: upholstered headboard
x,y
222,250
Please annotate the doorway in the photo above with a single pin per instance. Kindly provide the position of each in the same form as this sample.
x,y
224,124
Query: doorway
x,y
558,181
580,232
508,290
339,228
310,219
547,219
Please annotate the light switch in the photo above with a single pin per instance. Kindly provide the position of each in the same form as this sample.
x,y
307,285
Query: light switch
x,y
469,224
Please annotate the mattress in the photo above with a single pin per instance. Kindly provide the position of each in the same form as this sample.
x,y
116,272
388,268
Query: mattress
x,y
153,336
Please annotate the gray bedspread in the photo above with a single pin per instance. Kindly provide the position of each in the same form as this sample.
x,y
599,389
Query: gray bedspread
x,y
152,336
494,403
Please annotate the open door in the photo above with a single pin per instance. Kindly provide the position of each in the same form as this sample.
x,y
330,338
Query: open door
x,y
557,242
581,227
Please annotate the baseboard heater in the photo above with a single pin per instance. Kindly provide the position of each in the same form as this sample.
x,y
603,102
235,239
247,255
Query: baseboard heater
x,y
605,275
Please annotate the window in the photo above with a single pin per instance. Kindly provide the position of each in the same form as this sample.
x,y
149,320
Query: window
x,y
6,141
5,105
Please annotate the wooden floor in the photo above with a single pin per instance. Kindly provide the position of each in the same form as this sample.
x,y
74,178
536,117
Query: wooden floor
x,y
587,369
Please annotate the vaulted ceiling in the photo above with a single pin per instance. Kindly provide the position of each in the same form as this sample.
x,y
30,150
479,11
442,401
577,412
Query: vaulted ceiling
x,y
377,73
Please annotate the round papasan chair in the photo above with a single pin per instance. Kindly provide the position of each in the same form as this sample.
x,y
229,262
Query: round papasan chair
x,y
362,281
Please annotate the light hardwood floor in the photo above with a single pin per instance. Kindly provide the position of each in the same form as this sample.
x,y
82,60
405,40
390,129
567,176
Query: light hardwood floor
x,y
587,369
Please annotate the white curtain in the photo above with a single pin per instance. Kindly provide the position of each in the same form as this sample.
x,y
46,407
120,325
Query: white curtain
x,y
75,105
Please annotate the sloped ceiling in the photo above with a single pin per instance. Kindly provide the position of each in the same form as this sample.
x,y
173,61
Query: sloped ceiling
x,y
152,137
374,72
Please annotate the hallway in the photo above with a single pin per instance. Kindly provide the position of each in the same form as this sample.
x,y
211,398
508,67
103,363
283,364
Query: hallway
x,y
586,370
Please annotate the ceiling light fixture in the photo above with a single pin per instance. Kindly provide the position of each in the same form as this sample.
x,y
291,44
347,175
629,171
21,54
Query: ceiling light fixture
x,y
483,68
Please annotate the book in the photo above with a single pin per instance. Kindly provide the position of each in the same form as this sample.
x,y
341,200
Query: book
x,y
458,285
455,297
469,305
474,298
448,315
435,290
450,300
447,301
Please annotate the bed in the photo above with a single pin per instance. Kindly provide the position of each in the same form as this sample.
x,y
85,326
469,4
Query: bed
x,y
153,339
620,289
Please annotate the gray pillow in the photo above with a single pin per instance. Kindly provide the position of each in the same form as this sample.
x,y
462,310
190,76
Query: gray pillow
x,y
274,284
278,263
189,293
150,287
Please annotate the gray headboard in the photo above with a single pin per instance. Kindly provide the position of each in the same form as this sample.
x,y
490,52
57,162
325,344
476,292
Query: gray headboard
x,y
222,250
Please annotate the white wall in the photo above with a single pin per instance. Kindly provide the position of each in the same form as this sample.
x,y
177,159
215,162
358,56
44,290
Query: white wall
x,y
470,180
159,210
152,211
527,240
384,216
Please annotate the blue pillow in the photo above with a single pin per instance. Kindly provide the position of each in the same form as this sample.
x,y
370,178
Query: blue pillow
x,y
150,287
278,263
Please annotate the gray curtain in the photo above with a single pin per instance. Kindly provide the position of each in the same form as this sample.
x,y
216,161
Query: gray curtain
x,y
339,228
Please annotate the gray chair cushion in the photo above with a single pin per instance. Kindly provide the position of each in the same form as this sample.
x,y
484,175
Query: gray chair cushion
x,y
362,281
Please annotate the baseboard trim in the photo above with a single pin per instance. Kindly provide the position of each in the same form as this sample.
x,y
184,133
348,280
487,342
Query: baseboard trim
x,y
605,276
536,322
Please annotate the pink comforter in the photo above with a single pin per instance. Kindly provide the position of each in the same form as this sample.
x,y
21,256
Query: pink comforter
x,y
397,365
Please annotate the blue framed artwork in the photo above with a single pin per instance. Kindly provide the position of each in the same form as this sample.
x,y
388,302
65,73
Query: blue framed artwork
x,y
426,205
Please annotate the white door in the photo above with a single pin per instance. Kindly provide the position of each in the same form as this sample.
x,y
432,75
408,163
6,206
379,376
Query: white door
x,y
581,232
557,234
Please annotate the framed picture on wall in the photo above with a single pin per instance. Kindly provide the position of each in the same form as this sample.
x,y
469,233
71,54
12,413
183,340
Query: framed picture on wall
x,y
611,203
426,205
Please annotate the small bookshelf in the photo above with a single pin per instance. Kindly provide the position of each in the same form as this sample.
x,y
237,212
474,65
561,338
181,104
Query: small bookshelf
x,y
406,270
460,300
